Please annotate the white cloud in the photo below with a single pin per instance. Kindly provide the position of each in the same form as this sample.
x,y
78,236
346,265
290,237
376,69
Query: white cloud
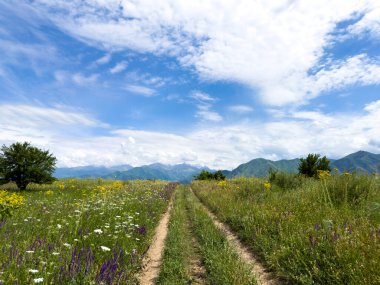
x,y
206,114
67,134
370,22
204,104
201,96
142,90
81,79
358,69
242,109
35,116
119,67
269,46
104,59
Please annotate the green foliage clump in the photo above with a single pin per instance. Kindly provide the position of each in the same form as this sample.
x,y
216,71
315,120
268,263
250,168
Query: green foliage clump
x,y
206,175
24,164
349,189
284,180
313,163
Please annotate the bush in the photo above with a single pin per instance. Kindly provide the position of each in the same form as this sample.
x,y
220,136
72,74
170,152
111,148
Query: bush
x,y
285,181
310,165
24,164
206,175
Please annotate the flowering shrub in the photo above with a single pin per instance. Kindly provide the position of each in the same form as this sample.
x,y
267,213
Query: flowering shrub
x,y
8,202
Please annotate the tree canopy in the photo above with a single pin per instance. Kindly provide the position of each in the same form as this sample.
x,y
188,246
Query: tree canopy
x,y
24,164
313,163
206,175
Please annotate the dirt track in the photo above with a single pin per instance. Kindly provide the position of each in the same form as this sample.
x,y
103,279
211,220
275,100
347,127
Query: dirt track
x,y
262,275
153,258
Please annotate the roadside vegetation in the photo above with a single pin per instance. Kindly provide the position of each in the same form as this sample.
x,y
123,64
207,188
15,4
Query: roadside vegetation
x,y
79,231
221,262
323,230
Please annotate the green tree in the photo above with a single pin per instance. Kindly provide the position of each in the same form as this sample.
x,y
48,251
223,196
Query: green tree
x,y
219,175
23,164
310,165
206,175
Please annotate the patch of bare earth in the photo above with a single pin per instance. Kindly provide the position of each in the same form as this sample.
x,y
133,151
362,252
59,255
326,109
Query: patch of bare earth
x,y
263,276
152,261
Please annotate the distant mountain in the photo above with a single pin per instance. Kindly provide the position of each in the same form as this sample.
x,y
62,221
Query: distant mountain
x,y
259,167
361,161
158,171
89,171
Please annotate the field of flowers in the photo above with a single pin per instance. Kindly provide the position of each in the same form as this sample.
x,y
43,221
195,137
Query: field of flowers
x,y
308,231
78,231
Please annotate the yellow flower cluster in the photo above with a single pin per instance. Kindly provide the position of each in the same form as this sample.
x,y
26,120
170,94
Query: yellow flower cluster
x,y
11,200
222,183
267,186
60,184
49,192
322,174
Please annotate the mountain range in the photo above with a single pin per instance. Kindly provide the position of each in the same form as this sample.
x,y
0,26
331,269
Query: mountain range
x,y
360,161
157,171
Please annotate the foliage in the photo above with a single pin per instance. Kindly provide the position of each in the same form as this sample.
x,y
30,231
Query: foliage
x,y
299,234
24,164
85,232
285,181
310,165
206,175
8,202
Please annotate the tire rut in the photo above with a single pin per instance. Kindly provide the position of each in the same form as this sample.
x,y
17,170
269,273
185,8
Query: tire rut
x,y
263,276
153,258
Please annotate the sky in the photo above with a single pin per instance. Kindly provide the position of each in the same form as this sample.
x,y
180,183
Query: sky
x,y
205,82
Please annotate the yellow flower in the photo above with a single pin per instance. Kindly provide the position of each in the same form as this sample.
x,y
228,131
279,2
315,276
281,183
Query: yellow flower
x,y
11,200
267,186
323,174
49,192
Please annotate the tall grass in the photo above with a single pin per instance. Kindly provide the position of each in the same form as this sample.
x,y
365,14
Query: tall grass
x,y
81,232
324,231
175,267
222,263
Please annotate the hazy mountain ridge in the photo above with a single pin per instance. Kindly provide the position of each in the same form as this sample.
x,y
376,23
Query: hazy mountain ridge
x,y
360,161
89,171
156,171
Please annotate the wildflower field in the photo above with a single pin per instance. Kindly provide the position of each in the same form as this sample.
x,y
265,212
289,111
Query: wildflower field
x,y
306,230
78,231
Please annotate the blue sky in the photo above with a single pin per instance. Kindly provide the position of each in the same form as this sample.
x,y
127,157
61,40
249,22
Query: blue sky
x,y
213,83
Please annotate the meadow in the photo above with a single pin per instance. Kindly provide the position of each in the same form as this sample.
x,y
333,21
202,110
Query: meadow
x,y
323,230
79,231
306,230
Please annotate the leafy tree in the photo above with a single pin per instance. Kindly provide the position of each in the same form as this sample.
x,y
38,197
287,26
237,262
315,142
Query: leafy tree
x,y
23,164
219,175
310,165
206,175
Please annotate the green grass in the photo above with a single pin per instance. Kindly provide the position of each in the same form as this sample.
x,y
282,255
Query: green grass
x,y
222,263
323,232
81,232
175,267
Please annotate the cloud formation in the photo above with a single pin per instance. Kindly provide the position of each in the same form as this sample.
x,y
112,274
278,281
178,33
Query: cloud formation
x,y
269,46
221,147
